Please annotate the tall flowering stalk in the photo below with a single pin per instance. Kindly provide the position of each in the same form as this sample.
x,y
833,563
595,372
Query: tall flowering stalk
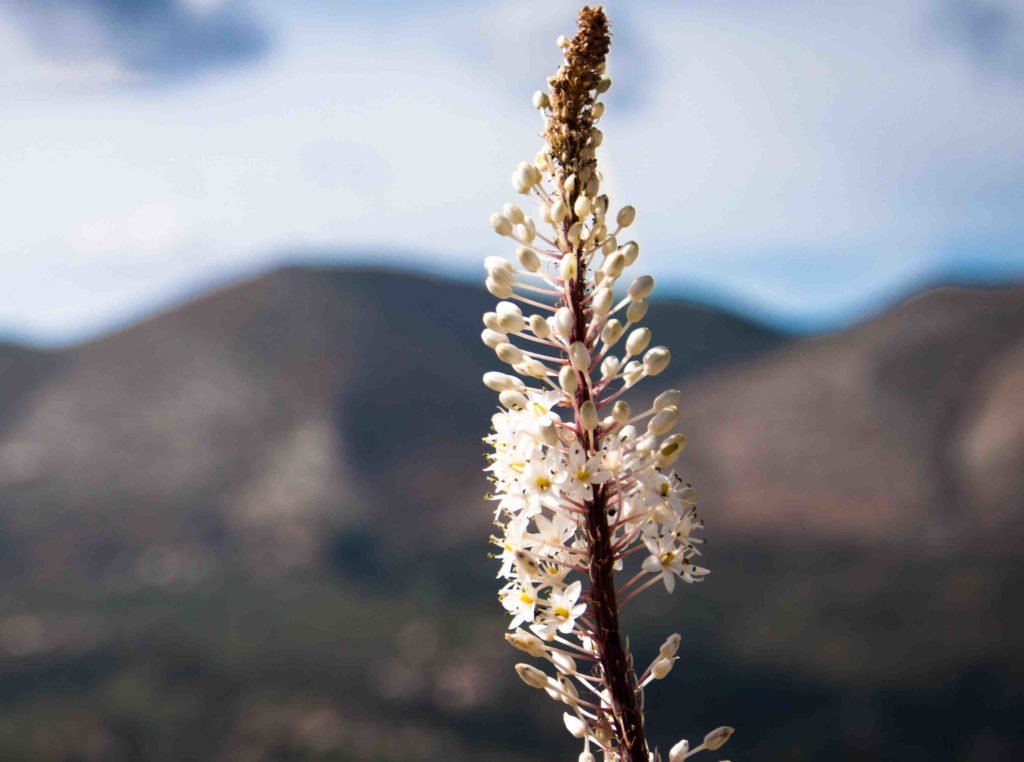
x,y
583,484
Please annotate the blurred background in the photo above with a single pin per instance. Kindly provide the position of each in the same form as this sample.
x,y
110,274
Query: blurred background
x,y
241,510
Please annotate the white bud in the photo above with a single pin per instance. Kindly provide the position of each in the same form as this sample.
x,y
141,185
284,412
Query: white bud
x,y
567,267
633,372
526,641
579,356
500,224
597,110
604,84
509,353
641,288
567,379
558,211
630,250
656,360
529,230
563,42
602,301
587,756
588,415
575,233
525,177
678,752
610,366
717,738
570,184
609,245
670,646
544,432
541,100
563,322
663,421
492,321
500,382
582,206
574,725
540,327
596,137
498,289
532,676
638,341
500,270
620,411
670,450
513,400
661,667
493,338
532,367
528,259
511,317
612,266
666,398
513,213
626,216
636,310
611,332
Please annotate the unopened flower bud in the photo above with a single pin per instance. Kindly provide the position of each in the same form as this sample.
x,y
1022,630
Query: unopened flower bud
x,y
526,641
678,752
579,356
575,233
532,367
666,398
630,250
500,382
544,432
567,267
563,42
610,366
620,411
509,353
492,321
636,310
670,450
656,360
532,676
633,372
596,137
670,646
626,216
567,379
563,322
558,211
498,289
513,400
638,341
602,301
717,738
612,266
661,667
493,338
611,332
604,84
597,110
587,756
576,726
663,421
588,415
641,287
525,177
609,245
501,225
540,327
541,100
582,206
511,316
513,213
528,259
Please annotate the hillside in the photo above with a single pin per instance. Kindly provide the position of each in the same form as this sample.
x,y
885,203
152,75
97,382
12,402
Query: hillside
x,y
251,527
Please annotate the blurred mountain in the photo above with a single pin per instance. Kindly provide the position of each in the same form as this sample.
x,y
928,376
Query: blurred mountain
x,y
251,527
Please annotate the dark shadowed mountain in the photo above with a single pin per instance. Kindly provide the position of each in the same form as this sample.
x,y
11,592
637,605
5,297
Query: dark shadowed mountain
x,y
251,527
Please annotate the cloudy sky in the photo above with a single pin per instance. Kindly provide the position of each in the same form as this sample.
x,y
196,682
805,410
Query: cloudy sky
x,y
805,161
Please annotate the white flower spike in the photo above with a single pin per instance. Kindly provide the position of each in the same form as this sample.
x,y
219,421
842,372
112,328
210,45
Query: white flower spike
x,y
583,484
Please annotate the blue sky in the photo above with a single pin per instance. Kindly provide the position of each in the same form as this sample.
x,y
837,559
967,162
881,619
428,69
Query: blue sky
x,y
807,162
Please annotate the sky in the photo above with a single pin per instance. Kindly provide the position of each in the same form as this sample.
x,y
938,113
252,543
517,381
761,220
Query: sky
x,y
807,163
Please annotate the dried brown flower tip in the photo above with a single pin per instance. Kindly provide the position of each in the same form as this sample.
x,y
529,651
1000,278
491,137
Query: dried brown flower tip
x,y
573,91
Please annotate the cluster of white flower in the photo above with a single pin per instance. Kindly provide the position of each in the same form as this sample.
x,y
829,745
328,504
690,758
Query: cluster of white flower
x,y
584,485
